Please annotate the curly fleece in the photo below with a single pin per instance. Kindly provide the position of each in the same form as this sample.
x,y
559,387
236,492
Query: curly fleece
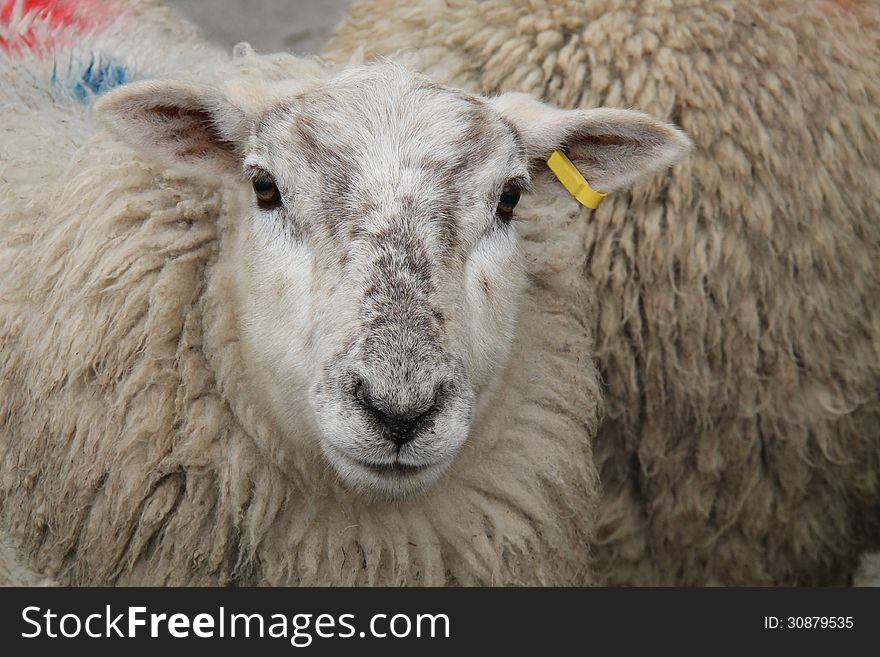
x,y
738,323
127,432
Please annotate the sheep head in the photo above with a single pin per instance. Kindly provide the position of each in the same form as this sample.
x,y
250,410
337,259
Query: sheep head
x,y
377,259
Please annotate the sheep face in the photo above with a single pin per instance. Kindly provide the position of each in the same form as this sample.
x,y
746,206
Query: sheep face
x,y
377,266
395,268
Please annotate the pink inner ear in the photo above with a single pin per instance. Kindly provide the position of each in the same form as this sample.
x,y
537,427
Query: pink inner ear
x,y
583,147
192,132
603,140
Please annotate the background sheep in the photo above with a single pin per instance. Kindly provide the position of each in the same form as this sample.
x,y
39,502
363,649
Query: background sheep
x,y
14,573
144,438
738,319
868,572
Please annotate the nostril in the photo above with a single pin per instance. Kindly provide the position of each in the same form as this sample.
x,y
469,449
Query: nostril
x,y
368,402
360,392
397,424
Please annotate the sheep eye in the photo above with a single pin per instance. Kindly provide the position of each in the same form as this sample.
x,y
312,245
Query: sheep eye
x,y
266,191
507,202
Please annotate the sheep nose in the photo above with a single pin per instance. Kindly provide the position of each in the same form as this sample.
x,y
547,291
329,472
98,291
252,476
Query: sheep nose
x,y
398,424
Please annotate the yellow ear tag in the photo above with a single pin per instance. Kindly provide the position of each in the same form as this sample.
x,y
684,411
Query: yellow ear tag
x,y
573,181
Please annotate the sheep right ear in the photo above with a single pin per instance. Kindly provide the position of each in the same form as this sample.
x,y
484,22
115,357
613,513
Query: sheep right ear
x,y
184,125
611,147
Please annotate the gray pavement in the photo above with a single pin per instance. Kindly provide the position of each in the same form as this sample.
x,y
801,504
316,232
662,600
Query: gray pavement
x,y
299,26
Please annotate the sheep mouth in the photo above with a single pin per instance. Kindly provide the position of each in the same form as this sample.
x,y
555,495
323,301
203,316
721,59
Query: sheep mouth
x,y
392,480
394,469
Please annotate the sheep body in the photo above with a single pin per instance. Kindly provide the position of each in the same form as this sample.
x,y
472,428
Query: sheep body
x,y
14,573
868,572
738,324
127,450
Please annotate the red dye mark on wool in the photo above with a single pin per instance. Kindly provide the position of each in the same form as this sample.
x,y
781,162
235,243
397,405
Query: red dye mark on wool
x,y
43,24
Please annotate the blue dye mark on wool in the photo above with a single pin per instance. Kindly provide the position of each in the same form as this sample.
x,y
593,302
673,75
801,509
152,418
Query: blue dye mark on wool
x,y
100,75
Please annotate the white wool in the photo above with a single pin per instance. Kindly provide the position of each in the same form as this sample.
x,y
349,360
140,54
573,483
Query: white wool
x,y
134,445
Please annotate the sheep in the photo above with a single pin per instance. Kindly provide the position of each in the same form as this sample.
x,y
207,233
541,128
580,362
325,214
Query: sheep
x,y
272,321
13,573
868,572
738,298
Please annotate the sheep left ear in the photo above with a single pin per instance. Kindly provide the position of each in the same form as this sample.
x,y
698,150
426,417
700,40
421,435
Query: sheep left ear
x,y
185,125
611,147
